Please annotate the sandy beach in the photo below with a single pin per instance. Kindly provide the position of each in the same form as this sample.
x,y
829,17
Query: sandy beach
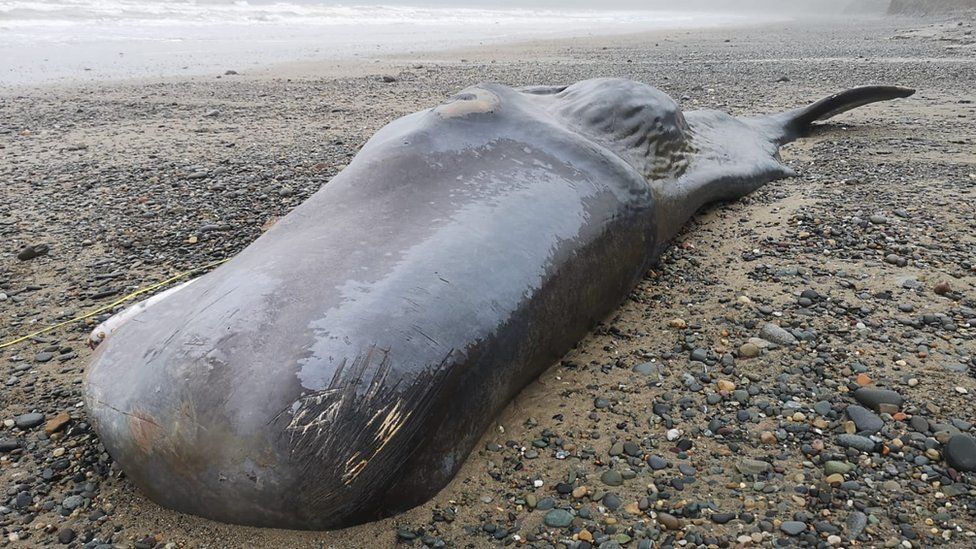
x,y
720,430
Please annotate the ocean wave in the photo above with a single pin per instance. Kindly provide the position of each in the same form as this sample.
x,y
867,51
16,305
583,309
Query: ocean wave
x,y
142,12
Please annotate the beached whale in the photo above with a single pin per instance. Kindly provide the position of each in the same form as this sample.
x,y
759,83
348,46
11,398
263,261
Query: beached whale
x,y
342,366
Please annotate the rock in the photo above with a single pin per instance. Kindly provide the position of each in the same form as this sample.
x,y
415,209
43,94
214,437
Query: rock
x,y
57,423
942,288
837,467
388,79
632,449
722,518
725,385
749,350
558,518
669,521
66,536
650,369
822,407
29,421
960,453
865,420
793,527
611,501
9,445
856,522
657,463
857,442
33,252
748,466
612,477
773,333
72,502
875,399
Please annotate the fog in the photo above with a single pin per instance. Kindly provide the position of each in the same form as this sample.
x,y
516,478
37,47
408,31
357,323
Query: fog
x,y
820,7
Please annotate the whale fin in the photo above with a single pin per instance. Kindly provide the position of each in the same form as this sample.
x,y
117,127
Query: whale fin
x,y
786,127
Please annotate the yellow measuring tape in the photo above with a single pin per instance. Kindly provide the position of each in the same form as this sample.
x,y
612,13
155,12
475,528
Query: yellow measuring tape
x,y
115,303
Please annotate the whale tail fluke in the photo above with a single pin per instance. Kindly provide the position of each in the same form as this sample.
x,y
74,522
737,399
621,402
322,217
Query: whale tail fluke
x,y
790,125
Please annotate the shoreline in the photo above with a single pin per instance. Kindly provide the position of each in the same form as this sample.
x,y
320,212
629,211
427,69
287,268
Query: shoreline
x,y
123,55
492,50
132,182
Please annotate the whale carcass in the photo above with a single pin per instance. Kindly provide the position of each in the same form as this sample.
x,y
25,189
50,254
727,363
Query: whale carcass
x,y
342,366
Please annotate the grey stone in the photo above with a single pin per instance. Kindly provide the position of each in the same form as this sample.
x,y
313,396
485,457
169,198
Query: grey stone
x,y
612,478
865,420
777,335
856,522
857,442
748,466
558,518
29,421
875,398
793,527
960,453
72,502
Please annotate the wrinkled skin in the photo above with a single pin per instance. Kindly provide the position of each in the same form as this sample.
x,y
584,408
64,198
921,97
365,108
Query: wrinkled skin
x,y
342,366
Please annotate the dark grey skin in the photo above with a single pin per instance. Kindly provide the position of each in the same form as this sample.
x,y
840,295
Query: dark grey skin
x,y
342,366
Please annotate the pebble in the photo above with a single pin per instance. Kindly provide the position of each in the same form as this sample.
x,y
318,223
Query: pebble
x,y
856,522
72,502
775,334
33,252
669,521
857,442
29,420
867,422
9,445
612,477
876,399
960,453
749,350
57,423
558,518
748,466
793,527
66,536
837,467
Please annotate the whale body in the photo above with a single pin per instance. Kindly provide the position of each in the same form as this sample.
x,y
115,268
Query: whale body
x,y
341,367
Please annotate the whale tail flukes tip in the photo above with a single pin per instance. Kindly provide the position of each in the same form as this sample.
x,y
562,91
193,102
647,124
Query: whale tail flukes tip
x,y
790,125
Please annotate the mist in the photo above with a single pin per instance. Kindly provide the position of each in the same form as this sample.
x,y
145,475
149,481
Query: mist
x,y
820,7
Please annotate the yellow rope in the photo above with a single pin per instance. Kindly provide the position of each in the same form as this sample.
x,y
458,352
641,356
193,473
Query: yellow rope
x,y
115,303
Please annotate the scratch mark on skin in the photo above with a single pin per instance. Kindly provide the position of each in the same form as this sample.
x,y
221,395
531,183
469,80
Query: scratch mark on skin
x,y
363,421
421,332
129,414
389,427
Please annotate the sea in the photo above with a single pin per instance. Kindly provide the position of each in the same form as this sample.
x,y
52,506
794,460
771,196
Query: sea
x,y
45,41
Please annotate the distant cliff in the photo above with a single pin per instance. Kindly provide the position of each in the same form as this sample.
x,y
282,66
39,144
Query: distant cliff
x,y
930,7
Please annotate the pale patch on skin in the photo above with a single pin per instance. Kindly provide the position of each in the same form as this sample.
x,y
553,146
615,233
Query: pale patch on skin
x,y
117,320
475,100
